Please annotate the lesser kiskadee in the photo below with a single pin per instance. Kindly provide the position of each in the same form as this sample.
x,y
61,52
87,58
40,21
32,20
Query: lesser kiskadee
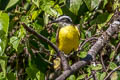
x,y
68,35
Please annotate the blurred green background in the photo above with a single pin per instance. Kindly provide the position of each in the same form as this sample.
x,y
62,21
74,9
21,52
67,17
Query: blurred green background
x,y
25,57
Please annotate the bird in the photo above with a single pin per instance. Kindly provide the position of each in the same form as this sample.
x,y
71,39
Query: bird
x,y
68,35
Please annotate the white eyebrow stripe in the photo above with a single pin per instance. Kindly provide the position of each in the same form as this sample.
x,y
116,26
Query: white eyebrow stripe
x,y
61,17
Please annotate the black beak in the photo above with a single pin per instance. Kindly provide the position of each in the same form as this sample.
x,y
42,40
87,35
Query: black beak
x,y
54,21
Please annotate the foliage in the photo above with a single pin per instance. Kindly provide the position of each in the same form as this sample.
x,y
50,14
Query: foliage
x,y
24,57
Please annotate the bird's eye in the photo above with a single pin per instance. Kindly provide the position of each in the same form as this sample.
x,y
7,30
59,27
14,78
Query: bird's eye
x,y
66,20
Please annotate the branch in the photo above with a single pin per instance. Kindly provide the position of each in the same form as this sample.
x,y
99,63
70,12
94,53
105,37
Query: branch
x,y
60,54
40,37
116,49
109,74
89,77
114,27
102,62
94,75
87,40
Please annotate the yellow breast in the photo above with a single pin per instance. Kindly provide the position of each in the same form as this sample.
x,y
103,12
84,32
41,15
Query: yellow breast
x,y
68,38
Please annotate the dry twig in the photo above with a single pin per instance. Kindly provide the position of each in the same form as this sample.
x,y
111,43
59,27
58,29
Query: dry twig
x,y
60,54
110,73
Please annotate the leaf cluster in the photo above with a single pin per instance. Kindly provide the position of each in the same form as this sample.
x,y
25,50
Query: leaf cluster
x,y
25,57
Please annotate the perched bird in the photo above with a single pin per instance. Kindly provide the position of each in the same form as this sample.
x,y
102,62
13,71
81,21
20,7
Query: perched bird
x,y
68,35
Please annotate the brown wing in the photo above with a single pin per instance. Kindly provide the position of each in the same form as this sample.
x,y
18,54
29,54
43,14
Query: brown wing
x,y
57,36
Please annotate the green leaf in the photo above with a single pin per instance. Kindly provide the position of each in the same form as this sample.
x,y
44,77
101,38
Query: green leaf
x,y
105,2
35,14
98,74
74,5
82,54
4,25
22,32
118,75
97,67
2,77
3,63
11,3
47,7
40,76
37,67
81,77
92,4
102,21
89,33
112,65
15,42
46,18
112,54
100,18
115,76
102,76
3,57
53,38
38,25
36,2
34,72
82,35
72,77
11,76
57,10
31,72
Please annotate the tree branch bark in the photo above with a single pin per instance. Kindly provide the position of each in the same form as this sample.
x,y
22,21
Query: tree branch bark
x,y
60,54
113,27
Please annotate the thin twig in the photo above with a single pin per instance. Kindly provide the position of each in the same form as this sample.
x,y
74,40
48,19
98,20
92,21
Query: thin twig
x,y
87,40
94,75
110,73
116,49
41,37
102,62
89,77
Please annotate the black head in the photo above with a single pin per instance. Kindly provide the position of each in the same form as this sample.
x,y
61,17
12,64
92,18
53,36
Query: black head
x,y
63,19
